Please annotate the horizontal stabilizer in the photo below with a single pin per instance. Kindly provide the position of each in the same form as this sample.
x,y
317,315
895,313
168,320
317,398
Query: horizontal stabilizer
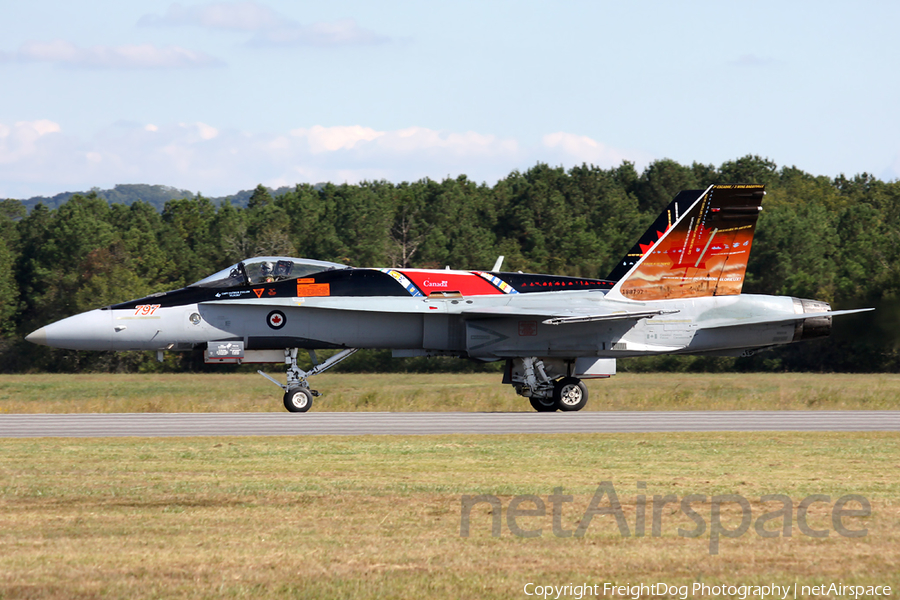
x,y
786,318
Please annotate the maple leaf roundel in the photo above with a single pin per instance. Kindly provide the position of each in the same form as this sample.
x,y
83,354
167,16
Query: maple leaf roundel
x,y
276,319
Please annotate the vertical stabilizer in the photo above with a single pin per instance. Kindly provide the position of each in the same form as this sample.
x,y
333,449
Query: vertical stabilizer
x,y
677,207
704,253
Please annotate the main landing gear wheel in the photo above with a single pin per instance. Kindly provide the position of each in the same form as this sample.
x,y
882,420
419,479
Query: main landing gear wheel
x,y
543,404
298,399
569,394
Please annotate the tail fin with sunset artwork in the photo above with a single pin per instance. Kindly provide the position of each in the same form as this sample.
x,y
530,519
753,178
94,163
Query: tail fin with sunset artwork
x,y
704,252
677,207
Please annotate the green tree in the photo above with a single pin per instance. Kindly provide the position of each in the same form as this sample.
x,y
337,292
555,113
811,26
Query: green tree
x,y
260,198
312,216
186,237
748,169
660,183
612,213
268,226
408,227
9,291
140,228
11,213
54,248
362,215
793,253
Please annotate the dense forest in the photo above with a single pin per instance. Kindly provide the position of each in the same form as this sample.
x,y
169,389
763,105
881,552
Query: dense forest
x,y
155,195
830,239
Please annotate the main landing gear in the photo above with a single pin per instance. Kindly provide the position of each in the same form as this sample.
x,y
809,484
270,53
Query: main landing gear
x,y
547,390
297,395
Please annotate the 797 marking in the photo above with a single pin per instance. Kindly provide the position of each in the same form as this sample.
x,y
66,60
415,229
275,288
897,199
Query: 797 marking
x,y
145,310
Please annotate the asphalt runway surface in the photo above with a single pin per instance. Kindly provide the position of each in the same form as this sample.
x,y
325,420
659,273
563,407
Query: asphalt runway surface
x,y
435,423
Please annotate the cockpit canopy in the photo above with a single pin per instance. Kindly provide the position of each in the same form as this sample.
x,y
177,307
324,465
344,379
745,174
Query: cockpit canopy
x,y
265,269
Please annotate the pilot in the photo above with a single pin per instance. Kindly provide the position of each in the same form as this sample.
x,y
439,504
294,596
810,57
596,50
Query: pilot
x,y
268,272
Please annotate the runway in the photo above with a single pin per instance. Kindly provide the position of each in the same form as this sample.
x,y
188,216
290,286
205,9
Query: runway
x,y
435,423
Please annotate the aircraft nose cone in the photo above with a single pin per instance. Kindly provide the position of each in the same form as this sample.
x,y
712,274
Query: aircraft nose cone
x,y
88,331
38,336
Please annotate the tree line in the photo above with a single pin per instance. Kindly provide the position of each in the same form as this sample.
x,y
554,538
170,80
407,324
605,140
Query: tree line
x,y
832,239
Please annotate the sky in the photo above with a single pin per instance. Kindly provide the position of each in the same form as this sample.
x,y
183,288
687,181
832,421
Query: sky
x,y
215,97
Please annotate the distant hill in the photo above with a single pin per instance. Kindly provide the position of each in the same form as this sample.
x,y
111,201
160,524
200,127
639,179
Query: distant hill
x,y
156,195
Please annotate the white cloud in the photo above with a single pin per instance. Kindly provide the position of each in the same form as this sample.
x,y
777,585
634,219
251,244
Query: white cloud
x,y
270,28
235,16
338,33
22,141
207,132
37,158
139,56
41,126
569,147
328,139
470,143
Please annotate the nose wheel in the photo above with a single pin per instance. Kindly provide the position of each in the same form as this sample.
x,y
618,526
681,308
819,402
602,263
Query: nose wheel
x,y
298,399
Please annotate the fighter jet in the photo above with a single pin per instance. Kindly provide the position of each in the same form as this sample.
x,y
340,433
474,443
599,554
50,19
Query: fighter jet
x,y
677,291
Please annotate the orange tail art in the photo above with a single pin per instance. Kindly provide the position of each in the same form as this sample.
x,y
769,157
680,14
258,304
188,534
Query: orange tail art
x,y
704,253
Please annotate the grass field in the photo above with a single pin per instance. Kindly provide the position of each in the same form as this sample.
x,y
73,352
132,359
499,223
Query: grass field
x,y
379,517
441,392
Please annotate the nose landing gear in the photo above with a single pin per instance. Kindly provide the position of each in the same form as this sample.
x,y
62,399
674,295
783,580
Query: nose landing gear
x,y
297,395
298,399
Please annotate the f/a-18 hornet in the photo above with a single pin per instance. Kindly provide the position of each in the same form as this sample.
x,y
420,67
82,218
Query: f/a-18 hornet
x,y
678,291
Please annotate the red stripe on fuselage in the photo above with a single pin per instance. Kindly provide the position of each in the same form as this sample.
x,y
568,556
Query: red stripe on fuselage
x,y
467,284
